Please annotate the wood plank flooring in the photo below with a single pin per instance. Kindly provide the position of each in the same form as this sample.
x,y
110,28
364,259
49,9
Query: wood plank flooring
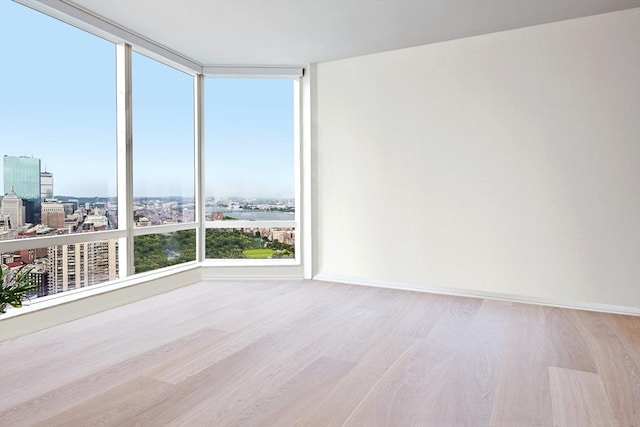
x,y
302,353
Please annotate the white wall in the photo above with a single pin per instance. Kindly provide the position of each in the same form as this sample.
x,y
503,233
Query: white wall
x,y
506,163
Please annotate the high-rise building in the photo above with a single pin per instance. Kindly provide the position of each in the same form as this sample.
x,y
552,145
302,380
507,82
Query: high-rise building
x,y
22,175
52,213
46,185
13,208
81,264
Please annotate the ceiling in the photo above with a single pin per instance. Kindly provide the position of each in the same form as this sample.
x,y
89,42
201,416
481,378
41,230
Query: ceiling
x,y
298,32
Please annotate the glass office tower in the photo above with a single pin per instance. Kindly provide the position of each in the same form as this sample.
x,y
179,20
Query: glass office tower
x,y
22,175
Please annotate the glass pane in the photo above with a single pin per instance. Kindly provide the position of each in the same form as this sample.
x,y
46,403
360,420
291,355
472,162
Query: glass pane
x,y
251,243
65,267
154,251
163,165
249,157
57,127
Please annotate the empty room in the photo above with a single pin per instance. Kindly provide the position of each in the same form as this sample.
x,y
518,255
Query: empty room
x,y
320,212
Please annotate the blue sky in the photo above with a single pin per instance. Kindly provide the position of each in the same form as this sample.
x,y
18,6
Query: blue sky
x,y
57,103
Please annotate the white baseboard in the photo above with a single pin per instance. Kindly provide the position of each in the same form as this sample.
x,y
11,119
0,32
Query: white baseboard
x,y
42,315
606,308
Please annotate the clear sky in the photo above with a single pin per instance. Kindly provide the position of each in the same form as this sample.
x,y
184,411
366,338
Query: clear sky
x,y
57,103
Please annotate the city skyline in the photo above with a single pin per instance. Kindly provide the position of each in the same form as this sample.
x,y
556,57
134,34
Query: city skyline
x,y
65,116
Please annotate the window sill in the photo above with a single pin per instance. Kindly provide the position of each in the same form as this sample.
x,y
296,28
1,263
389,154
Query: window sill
x,y
50,301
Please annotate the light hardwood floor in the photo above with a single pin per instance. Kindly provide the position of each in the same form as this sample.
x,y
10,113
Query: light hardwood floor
x,y
320,354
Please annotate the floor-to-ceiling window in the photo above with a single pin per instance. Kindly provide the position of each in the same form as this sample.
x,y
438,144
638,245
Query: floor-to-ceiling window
x,y
163,165
250,183
58,147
